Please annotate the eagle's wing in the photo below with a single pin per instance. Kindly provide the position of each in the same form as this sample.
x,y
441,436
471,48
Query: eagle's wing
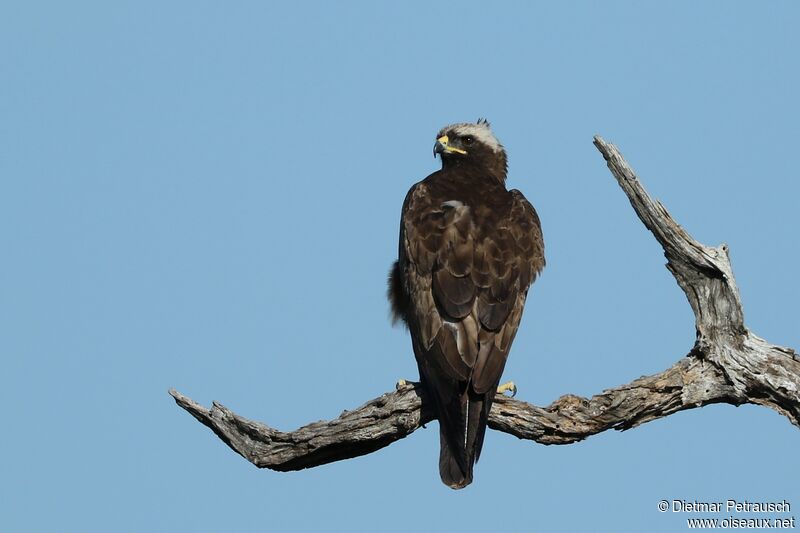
x,y
466,286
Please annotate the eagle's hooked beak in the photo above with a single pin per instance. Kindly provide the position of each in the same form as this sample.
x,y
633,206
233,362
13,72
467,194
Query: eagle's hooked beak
x,y
442,146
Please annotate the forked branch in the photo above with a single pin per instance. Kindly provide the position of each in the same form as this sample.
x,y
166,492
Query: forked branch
x,y
727,364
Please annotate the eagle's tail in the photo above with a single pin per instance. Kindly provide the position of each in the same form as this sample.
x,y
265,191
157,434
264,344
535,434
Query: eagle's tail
x,y
451,470
458,455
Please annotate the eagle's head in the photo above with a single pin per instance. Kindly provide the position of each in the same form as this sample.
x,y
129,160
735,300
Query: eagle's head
x,y
474,145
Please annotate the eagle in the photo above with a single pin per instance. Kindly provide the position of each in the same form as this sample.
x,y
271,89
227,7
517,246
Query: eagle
x,y
469,251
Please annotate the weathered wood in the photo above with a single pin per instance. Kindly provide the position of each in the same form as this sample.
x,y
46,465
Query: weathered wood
x,y
372,426
758,372
727,364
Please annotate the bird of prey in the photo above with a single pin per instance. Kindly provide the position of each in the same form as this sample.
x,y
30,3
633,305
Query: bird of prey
x,y
469,251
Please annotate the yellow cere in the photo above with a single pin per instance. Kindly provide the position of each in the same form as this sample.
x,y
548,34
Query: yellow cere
x,y
444,139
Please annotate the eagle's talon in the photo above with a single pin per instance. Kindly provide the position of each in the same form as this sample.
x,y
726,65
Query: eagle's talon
x,y
401,383
507,387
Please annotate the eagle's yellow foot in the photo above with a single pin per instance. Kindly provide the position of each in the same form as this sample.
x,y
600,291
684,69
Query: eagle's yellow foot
x,y
507,387
402,383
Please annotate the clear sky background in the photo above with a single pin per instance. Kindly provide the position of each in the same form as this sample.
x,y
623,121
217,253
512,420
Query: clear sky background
x,y
206,196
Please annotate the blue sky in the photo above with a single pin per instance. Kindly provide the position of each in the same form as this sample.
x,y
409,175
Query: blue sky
x,y
206,196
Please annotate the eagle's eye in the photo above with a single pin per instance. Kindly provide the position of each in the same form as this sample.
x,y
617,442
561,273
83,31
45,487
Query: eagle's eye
x,y
468,139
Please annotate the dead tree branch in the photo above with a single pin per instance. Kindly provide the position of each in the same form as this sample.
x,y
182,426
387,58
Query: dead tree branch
x,y
727,364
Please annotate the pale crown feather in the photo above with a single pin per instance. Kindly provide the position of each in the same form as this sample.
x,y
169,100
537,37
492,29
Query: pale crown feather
x,y
480,131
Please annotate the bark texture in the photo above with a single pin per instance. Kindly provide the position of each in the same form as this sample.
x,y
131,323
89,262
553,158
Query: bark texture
x,y
727,364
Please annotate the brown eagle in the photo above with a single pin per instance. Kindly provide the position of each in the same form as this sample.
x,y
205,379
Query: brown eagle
x,y
469,251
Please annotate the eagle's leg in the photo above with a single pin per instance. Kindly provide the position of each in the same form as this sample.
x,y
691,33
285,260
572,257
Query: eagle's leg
x,y
507,387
